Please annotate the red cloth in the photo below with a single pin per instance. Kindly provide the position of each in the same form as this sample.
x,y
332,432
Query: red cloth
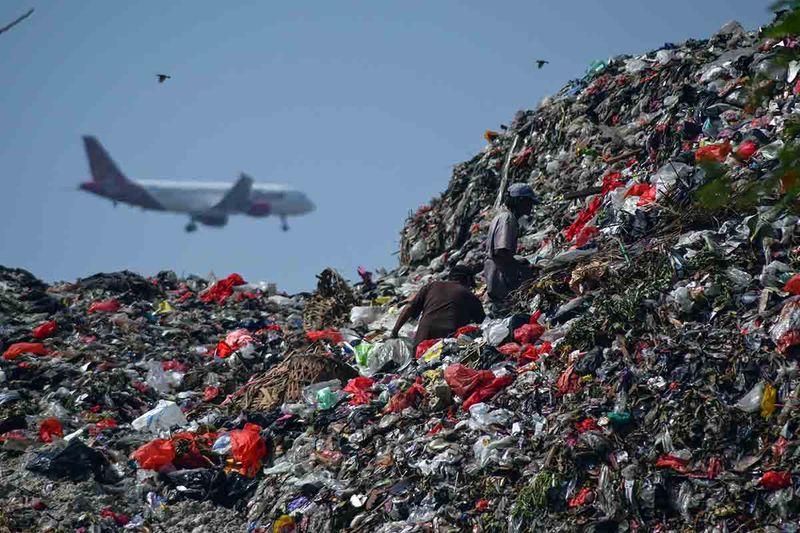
x,y
20,348
221,290
49,428
155,454
45,330
463,380
488,390
330,335
773,480
104,306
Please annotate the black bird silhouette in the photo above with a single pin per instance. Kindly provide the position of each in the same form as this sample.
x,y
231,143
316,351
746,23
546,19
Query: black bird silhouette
x,y
541,62
16,21
162,77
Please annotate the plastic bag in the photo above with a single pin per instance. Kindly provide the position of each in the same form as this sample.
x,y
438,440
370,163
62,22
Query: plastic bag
x,y
751,402
221,290
21,348
155,454
163,416
359,388
463,380
793,285
76,462
248,448
487,390
311,393
481,418
768,400
495,331
713,153
48,428
398,351
364,315
425,345
773,480
104,306
45,330
330,335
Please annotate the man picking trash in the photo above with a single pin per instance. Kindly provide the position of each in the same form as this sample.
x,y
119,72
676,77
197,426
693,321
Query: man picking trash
x,y
445,306
502,270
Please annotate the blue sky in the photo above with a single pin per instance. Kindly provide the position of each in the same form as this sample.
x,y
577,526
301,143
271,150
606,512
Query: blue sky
x,y
365,106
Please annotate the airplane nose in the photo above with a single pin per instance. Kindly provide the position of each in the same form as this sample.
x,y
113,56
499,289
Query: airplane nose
x,y
308,205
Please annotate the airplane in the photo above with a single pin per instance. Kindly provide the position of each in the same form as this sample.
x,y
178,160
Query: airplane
x,y
205,202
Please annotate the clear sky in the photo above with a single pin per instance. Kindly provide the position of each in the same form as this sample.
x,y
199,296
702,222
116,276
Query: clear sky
x,y
365,106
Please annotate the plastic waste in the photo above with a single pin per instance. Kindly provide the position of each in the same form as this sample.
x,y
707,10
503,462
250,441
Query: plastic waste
x,y
164,416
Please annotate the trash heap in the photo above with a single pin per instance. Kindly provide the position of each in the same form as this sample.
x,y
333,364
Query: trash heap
x,y
647,379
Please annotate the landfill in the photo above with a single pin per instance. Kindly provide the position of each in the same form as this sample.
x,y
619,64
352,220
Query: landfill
x,y
646,378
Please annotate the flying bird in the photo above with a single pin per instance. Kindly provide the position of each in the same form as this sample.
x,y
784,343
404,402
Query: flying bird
x,y
162,77
541,62
17,21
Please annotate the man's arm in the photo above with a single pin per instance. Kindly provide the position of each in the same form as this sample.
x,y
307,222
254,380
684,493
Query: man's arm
x,y
405,316
413,309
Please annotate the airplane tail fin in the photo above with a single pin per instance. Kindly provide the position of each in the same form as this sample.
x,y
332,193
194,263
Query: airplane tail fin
x,y
103,168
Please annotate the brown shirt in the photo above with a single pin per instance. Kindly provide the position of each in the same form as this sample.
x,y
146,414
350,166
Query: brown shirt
x,y
445,307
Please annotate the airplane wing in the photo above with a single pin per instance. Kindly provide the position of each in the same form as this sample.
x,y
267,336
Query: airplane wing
x,y
237,196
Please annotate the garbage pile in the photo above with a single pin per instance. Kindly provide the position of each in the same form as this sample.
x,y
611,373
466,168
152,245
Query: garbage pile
x,y
647,379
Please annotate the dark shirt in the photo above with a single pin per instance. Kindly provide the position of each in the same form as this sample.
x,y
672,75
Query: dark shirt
x,y
445,307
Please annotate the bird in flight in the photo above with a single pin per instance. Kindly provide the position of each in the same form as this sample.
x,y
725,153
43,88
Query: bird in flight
x,y
16,21
541,62
162,77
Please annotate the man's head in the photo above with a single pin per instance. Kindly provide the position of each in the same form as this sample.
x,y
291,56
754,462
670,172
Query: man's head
x,y
521,199
463,275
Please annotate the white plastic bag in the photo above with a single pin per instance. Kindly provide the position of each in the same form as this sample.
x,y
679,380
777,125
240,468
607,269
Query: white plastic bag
x,y
163,416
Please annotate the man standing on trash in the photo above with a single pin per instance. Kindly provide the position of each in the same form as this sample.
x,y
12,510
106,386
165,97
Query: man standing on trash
x,y
445,306
502,270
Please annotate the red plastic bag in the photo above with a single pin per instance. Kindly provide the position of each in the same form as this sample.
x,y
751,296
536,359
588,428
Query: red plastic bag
x,y
401,400
45,330
585,235
528,333
190,448
20,348
583,218
463,380
670,461
611,181
713,153
104,306
330,335
645,192
155,454
119,518
248,448
793,285
209,393
48,428
509,348
488,390
424,346
466,330
221,290
580,499
568,382
587,424
532,353
359,388
773,480
746,150
222,350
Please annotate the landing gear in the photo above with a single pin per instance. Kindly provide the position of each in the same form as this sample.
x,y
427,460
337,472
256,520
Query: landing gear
x,y
284,224
191,227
